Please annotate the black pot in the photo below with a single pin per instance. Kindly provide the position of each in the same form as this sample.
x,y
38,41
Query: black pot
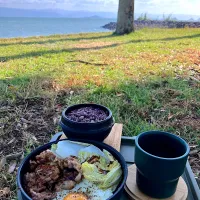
x,y
24,167
81,130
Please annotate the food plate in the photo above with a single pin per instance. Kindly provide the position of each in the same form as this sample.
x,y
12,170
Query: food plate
x,y
53,172
127,151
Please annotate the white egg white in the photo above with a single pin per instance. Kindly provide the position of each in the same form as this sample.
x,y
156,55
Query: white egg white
x,y
89,189
67,148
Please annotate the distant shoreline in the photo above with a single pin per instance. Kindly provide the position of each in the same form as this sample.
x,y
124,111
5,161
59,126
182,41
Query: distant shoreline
x,y
156,24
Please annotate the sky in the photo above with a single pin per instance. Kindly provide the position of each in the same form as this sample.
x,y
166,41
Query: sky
x,y
188,7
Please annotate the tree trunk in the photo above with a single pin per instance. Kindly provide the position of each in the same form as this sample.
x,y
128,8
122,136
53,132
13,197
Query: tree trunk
x,y
125,17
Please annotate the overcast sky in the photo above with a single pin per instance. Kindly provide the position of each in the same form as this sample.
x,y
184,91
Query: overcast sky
x,y
151,6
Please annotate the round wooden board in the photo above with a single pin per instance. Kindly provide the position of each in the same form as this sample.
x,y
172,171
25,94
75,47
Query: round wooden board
x,y
134,192
131,196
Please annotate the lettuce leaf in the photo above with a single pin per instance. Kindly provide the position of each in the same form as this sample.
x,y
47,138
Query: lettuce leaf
x,y
87,152
104,181
91,173
108,155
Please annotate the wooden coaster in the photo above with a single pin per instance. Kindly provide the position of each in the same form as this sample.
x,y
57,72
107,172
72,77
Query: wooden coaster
x,y
131,196
113,139
134,192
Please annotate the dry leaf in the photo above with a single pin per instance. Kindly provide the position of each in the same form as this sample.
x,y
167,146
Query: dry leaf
x,y
13,156
55,120
5,192
119,94
193,146
34,138
11,141
170,116
2,163
192,160
12,167
71,92
194,152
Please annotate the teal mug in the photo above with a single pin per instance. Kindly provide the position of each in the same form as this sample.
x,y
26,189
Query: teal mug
x,y
160,158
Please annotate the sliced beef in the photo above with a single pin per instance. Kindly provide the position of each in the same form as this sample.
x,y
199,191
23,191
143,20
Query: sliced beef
x,y
47,173
46,157
50,174
46,195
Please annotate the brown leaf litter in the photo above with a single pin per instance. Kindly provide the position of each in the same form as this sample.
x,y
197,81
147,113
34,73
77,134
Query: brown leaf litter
x,y
24,125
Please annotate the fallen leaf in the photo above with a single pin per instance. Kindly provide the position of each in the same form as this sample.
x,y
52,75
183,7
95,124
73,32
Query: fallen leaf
x,y
119,94
2,163
71,92
152,73
11,87
56,120
11,141
170,116
34,138
22,156
12,167
13,156
193,146
194,152
192,160
5,192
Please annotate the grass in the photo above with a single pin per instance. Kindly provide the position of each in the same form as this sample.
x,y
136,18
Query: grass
x,y
149,79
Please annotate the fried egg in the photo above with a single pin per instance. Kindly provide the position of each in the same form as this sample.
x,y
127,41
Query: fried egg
x,y
76,196
85,190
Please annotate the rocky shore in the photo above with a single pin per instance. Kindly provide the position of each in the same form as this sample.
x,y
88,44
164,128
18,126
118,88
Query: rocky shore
x,y
156,24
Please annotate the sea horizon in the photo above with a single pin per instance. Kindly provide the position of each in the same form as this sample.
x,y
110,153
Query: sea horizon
x,y
12,27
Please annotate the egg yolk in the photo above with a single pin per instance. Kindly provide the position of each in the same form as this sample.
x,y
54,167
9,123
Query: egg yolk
x,y
76,196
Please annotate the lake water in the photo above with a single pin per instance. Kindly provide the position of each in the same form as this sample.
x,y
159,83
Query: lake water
x,y
24,27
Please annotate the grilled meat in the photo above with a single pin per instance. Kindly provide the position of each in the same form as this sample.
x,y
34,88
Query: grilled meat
x,y
49,174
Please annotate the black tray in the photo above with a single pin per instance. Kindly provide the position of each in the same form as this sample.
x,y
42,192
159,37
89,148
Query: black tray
x,y
127,150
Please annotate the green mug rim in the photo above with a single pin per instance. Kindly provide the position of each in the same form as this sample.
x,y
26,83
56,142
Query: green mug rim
x,y
168,134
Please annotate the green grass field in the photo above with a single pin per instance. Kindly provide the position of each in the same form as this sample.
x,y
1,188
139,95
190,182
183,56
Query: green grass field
x,y
150,79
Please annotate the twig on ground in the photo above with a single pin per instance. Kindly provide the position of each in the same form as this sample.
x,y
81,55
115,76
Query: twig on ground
x,y
195,79
13,156
88,63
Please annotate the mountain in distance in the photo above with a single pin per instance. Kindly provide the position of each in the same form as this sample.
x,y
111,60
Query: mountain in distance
x,y
95,17
51,13
58,13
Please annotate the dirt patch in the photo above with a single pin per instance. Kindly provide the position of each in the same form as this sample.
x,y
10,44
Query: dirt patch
x,y
20,122
194,159
23,126
184,104
190,121
167,95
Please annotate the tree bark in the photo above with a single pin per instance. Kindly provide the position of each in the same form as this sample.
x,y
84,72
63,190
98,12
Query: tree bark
x,y
125,17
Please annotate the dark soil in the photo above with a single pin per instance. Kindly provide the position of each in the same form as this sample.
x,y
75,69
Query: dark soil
x,y
87,114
